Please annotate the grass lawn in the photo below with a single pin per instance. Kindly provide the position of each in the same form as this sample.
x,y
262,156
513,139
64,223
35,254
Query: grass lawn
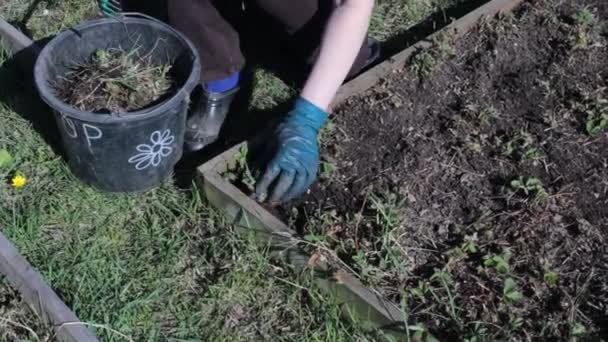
x,y
155,266
160,265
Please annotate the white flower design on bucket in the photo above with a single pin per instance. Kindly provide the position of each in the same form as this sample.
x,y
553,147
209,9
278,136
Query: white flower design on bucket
x,y
153,154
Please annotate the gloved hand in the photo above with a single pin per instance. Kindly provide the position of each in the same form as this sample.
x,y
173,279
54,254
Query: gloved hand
x,y
110,7
296,161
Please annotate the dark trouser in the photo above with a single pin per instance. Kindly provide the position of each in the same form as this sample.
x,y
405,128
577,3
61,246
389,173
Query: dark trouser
x,y
202,21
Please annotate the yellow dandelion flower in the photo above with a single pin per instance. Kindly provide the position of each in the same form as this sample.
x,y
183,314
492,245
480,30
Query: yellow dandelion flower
x,y
19,181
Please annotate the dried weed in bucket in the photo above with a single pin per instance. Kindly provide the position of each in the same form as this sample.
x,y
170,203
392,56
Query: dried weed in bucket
x,y
115,81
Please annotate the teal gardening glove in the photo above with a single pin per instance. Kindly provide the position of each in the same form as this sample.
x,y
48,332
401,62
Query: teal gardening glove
x,y
296,161
110,7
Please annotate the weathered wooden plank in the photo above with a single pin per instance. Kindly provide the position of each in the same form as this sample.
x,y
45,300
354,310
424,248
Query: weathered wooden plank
x,y
23,50
39,296
12,39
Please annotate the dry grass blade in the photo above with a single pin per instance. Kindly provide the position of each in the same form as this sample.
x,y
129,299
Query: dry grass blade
x,y
97,326
21,326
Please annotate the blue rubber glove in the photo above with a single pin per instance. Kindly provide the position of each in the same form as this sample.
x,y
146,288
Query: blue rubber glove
x,y
296,162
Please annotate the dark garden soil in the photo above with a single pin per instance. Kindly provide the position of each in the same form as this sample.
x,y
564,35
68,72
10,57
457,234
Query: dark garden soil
x,y
476,189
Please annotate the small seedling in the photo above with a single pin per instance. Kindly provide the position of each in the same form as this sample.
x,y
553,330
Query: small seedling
x,y
510,292
421,333
484,114
445,280
475,147
315,238
578,330
487,113
327,170
445,45
499,262
470,244
387,211
597,123
521,146
532,153
242,172
423,63
530,186
479,334
515,322
361,261
584,18
421,291
595,107
550,278
582,34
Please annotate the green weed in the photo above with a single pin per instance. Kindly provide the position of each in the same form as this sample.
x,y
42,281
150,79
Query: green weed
x,y
584,18
470,244
445,281
521,146
578,330
327,169
584,30
242,172
422,333
530,186
365,269
485,114
594,106
550,278
423,63
444,44
597,122
387,211
499,262
510,292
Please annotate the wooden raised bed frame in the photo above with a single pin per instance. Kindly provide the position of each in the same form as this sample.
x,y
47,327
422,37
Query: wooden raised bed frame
x,y
19,273
361,304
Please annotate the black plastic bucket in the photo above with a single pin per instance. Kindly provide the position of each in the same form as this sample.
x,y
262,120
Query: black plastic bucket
x,y
129,152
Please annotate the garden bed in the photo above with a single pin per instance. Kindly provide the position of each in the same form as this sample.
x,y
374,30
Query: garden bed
x,y
473,185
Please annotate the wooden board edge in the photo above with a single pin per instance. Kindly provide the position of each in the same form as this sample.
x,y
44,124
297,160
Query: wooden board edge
x,y
221,162
39,296
12,39
458,28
